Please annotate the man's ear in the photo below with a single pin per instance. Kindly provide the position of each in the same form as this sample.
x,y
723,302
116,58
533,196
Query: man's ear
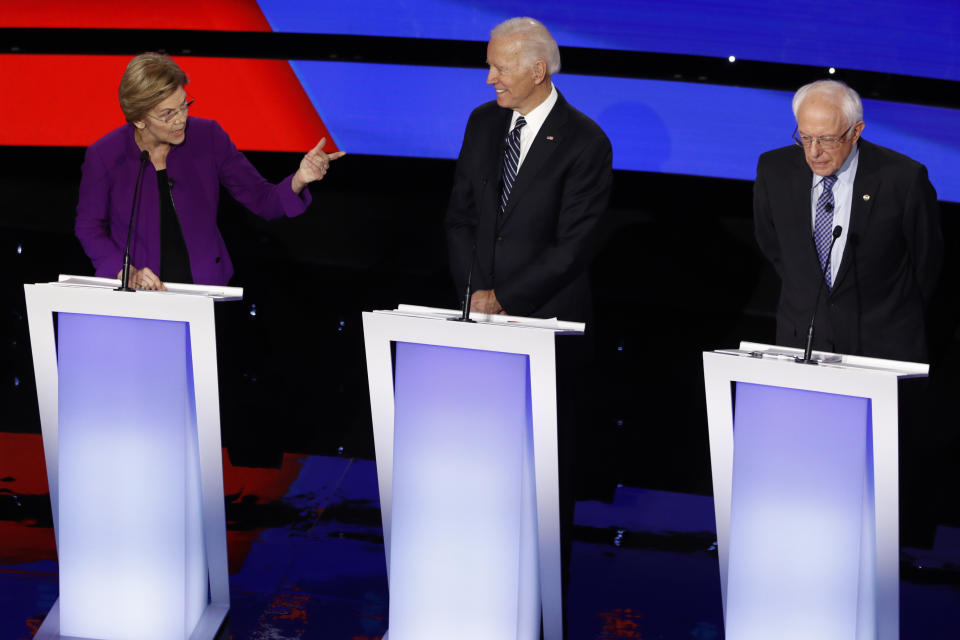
x,y
539,71
858,129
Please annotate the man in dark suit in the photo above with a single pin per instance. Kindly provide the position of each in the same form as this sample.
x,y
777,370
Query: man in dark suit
x,y
881,273
533,177
525,205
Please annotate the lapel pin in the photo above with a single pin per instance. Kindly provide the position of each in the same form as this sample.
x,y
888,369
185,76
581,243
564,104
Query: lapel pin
x,y
550,138
866,197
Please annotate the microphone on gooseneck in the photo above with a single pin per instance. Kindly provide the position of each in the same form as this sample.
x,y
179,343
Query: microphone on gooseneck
x,y
125,274
808,350
468,294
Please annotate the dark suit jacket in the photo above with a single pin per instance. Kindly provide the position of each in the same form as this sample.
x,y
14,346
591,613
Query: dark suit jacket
x,y
536,255
890,265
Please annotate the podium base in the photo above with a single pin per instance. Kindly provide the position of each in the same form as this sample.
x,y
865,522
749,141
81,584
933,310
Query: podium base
x,y
206,629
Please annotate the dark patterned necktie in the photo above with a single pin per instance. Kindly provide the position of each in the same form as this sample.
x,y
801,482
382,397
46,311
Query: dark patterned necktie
x,y
511,160
823,226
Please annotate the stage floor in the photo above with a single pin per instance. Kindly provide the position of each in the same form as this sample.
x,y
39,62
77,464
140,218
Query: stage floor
x,y
307,561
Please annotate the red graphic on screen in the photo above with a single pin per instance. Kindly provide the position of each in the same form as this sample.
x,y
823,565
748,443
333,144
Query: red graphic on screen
x,y
71,100
211,15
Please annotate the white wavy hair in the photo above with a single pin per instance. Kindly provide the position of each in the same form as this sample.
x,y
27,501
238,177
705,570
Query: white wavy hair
x,y
846,97
536,44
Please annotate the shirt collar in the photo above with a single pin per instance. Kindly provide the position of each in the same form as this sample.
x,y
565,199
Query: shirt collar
x,y
847,171
537,115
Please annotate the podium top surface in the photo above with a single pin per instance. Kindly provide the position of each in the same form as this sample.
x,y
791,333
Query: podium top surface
x,y
217,293
759,351
552,324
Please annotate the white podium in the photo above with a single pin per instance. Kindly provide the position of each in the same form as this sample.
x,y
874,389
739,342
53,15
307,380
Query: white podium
x,y
130,414
805,482
465,430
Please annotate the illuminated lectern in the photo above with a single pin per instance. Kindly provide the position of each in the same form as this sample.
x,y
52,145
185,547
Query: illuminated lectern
x,y
465,430
805,483
130,413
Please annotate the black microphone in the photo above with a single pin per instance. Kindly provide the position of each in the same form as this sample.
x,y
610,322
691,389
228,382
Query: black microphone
x,y
125,273
465,315
808,351
828,207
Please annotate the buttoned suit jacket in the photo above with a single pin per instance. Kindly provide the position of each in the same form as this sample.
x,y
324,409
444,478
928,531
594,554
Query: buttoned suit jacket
x,y
890,265
535,256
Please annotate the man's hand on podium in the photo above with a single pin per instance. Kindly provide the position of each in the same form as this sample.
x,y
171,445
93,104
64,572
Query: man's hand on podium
x,y
485,301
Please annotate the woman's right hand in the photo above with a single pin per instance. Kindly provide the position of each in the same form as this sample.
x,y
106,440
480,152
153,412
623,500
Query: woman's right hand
x,y
144,279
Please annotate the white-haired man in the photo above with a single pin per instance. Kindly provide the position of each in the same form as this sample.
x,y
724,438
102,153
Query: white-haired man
x,y
880,275
533,177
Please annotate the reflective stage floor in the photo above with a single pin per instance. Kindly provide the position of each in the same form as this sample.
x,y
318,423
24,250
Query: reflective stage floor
x,y
307,561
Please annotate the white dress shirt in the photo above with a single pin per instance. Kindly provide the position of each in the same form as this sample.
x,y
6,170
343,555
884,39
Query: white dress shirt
x,y
842,201
534,120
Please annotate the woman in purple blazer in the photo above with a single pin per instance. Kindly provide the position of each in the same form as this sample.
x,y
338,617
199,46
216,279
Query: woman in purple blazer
x,y
175,236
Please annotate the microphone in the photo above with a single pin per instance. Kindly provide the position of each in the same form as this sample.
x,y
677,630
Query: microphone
x,y
828,207
125,273
808,351
468,294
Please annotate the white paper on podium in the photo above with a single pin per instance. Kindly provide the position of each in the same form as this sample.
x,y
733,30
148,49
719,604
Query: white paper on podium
x,y
826,359
560,326
211,291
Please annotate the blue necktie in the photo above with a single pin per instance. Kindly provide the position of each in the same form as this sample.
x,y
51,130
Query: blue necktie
x,y
511,160
823,226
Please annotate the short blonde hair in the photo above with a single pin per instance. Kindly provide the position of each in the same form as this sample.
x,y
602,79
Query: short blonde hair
x,y
150,79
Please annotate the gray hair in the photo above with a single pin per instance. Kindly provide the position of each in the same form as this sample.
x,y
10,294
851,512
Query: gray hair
x,y
536,44
846,98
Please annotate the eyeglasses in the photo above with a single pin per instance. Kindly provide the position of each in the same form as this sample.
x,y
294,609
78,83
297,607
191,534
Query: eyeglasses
x,y
826,142
167,115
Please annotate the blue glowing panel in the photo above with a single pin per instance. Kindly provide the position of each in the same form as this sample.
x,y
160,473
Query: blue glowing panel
x,y
129,539
914,38
461,434
657,126
797,518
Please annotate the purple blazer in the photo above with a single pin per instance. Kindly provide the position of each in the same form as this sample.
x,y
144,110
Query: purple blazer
x,y
196,168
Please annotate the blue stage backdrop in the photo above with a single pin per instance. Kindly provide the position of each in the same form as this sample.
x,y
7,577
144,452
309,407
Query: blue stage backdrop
x,y
893,36
658,126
